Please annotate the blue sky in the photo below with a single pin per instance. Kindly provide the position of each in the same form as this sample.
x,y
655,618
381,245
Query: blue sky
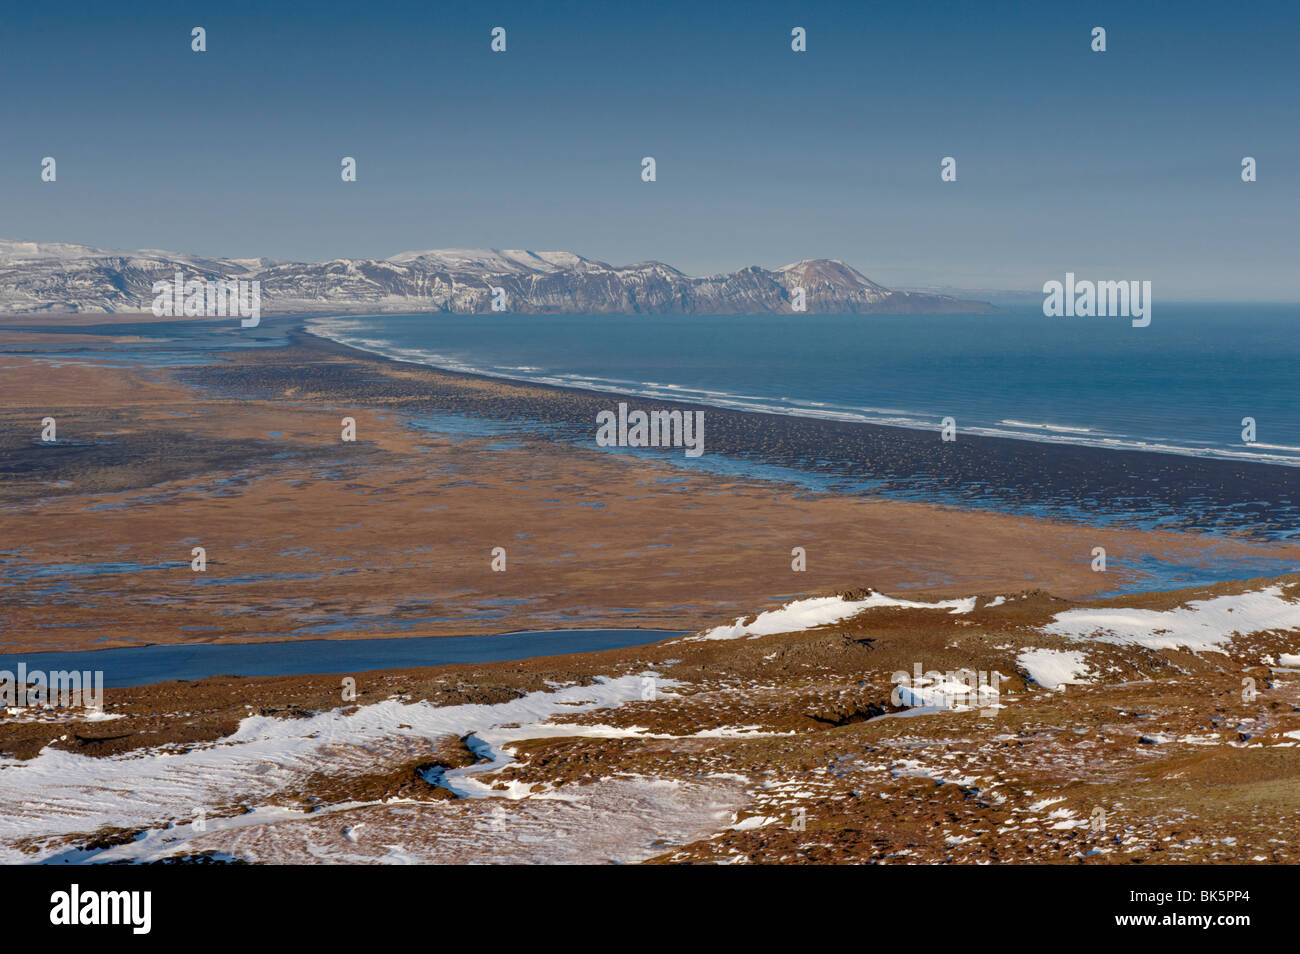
x,y
1124,164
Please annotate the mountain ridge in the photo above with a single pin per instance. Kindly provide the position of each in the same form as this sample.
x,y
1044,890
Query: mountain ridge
x,y
57,277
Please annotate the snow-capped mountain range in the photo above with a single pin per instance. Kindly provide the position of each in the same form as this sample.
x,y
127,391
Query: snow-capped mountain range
x,y
57,278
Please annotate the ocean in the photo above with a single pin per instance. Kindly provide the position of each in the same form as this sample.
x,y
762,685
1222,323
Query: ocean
x,y
1182,385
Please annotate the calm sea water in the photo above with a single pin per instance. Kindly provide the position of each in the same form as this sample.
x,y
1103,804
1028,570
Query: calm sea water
x,y
1181,385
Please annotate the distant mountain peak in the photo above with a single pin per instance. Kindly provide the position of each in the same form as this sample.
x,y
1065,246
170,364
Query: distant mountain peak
x,y
830,271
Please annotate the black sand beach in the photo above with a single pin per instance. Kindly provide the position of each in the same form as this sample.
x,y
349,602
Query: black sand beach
x,y
1246,499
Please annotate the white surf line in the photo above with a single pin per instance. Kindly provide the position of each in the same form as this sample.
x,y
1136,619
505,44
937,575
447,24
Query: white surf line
x,y
1044,433
65,793
800,615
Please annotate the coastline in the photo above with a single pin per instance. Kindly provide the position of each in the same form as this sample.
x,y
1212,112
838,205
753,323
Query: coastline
x,y
1047,478
900,413
1046,475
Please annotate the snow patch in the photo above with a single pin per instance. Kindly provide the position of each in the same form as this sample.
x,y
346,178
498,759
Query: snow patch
x,y
1051,668
1199,625
800,615
60,792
